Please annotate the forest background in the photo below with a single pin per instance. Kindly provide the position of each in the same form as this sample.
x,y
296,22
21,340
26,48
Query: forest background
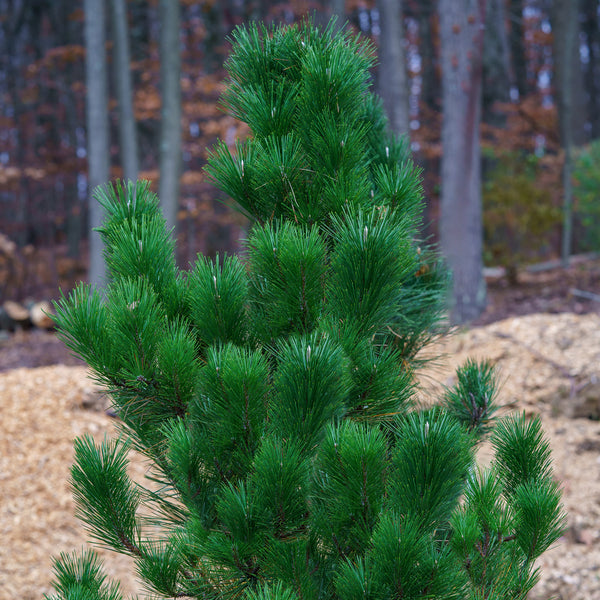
x,y
531,95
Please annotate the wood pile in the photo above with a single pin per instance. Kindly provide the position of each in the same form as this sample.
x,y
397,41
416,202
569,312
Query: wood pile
x,y
14,315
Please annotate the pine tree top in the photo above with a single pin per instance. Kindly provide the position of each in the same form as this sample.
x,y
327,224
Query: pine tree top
x,y
320,143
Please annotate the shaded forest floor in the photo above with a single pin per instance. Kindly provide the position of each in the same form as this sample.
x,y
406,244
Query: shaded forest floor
x,y
549,290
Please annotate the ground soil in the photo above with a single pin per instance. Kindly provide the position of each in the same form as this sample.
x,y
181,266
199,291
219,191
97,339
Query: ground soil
x,y
544,339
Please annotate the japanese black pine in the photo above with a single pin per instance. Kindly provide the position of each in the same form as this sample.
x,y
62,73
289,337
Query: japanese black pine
x,y
273,393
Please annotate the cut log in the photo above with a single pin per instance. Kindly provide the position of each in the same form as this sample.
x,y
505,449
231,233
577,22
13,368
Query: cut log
x,y
16,315
40,314
7,246
17,312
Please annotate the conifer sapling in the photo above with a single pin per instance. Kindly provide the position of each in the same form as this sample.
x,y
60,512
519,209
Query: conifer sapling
x,y
273,393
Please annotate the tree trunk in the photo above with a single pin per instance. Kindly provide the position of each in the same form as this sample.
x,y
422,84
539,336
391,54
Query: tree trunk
x,y
578,85
496,76
393,82
430,85
140,28
517,47
256,10
592,36
170,136
122,72
461,31
564,26
214,23
12,87
338,10
97,126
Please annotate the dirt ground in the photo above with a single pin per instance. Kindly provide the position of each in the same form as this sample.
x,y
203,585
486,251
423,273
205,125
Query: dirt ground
x,y
548,360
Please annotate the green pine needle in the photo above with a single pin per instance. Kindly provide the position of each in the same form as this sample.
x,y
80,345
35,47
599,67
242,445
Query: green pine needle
x,y
310,387
522,453
350,482
81,577
106,499
472,398
218,300
539,517
280,483
431,462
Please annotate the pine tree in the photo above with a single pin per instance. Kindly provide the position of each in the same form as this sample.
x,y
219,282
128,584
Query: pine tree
x,y
273,393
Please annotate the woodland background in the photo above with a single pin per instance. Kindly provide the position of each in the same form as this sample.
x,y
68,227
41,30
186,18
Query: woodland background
x,y
549,362
532,117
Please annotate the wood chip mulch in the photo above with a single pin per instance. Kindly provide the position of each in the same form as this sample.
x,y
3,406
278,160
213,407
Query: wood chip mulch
x,y
546,361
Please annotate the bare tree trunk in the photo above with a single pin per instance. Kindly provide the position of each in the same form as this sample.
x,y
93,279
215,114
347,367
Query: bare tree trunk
x,y
461,30
214,22
255,10
430,85
496,63
592,82
393,82
13,85
564,27
578,86
140,28
170,136
517,47
122,72
338,10
97,126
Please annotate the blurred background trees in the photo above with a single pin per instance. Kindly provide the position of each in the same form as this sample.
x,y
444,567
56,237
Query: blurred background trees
x,y
461,48
47,145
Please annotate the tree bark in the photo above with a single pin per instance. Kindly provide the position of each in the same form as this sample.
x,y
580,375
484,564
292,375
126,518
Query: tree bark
x,y
496,63
12,85
591,31
97,126
461,30
170,136
431,84
214,23
338,10
564,17
393,81
140,28
122,72
517,47
255,10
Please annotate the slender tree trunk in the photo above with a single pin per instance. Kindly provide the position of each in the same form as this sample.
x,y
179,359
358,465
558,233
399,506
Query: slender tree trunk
x,y
461,28
579,93
214,23
591,31
97,126
68,35
13,85
122,73
496,64
338,10
517,47
255,10
393,82
170,136
564,25
431,85
140,28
